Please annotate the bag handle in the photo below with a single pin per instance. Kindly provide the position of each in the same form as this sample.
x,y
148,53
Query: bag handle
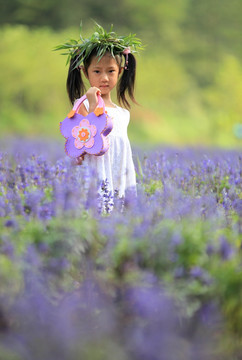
x,y
100,109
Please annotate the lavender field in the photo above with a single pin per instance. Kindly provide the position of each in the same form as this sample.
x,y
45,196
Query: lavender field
x,y
157,276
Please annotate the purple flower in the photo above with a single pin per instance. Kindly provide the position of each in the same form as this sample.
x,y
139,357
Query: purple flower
x,y
210,250
11,223
32,202
226,250
179,272
7,248
196,272
58,264
237,205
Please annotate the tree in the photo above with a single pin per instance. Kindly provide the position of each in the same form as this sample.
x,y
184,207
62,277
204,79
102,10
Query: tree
x,y
211,28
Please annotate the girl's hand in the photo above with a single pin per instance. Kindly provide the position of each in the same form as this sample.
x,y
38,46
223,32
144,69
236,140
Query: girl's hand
x,y
78,160
92,94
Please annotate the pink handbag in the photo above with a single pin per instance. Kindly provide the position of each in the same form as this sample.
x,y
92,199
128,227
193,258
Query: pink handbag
x,y
86,134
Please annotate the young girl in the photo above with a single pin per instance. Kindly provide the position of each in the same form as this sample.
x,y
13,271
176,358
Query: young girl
x,y
99,59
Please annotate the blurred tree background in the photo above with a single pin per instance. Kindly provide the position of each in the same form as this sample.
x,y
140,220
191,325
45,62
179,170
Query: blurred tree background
x,y
189,80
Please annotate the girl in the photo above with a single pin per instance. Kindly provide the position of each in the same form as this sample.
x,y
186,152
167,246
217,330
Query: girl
x,y
99,58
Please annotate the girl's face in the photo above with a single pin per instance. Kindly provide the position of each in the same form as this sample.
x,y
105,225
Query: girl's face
x,y
104,73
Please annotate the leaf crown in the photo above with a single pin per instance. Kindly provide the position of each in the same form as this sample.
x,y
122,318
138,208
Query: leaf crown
x,y
101,41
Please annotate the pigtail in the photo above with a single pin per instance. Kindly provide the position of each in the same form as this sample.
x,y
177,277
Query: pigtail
x,y
127,81
74,83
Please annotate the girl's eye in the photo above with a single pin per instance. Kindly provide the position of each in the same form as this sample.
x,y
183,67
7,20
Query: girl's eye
x,y
96,71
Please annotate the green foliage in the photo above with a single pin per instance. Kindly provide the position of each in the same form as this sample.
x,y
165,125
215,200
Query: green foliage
x,y
153,186
188,79
30,98
229,287
10,276
212,29
68,240
223,97
7,354
79,241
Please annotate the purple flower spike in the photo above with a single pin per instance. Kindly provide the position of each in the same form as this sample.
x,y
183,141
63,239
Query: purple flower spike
x,y
86,134
226,250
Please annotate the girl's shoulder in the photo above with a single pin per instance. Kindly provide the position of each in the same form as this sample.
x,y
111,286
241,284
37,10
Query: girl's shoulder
x,y
118,112
121,109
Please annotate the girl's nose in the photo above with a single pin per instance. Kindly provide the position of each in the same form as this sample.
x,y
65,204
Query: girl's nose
x,y
105,76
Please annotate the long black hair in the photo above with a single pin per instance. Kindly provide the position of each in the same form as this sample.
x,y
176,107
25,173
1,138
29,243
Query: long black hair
x,y
127,81
76,88
74,84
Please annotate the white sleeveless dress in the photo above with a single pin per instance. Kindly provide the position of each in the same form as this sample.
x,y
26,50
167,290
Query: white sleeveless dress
x,y
116,165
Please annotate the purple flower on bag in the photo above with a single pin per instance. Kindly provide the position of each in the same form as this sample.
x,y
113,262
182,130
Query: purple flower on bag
x,y
86,134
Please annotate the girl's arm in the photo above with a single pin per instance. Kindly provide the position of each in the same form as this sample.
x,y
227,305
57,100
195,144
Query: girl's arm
x,y
78,160
91,94
82,110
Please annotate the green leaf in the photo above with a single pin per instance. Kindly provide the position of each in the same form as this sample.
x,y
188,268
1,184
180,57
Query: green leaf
x,y
102,41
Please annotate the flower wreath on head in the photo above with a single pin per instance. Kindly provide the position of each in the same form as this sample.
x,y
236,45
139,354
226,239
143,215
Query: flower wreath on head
x,y
101,41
